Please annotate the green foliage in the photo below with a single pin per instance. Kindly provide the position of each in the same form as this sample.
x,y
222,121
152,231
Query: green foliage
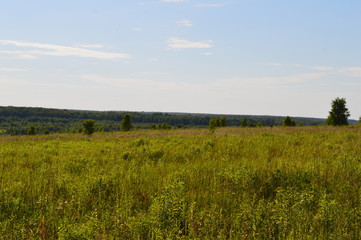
x,y
223,122
266,183
213,124
245,122
89,126
162,126
288,122
217,122
16,120
250,123
339,113
31,131
126,123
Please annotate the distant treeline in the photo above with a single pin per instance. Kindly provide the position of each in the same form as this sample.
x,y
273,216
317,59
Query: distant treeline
x,y
17,120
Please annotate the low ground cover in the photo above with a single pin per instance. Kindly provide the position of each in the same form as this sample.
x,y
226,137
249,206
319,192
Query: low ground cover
x,y
260,183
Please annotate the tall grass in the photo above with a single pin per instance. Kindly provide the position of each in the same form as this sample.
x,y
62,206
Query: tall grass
x,y
267,183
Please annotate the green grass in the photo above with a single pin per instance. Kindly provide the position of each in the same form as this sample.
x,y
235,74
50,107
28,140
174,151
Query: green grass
x,y
264,183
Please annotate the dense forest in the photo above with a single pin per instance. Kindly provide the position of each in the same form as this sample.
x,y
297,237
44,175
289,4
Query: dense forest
x,y
17,120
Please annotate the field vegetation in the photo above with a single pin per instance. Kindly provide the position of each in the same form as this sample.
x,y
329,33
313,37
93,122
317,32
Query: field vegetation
x,y
230,183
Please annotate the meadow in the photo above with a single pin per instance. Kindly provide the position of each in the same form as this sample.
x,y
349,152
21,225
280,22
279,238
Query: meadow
x,y
235,183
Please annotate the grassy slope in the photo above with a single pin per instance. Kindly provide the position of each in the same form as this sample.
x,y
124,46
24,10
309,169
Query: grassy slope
x,y
266,183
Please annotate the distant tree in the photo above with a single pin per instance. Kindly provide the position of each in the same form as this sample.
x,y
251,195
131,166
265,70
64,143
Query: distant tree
x,y
89,126
288,122
31,131
223,122
126,123
245,122
165,126
359,121
259,124
213,124
339,113
46,132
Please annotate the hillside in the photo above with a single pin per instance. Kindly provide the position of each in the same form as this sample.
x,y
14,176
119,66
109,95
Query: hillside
x,y
16,120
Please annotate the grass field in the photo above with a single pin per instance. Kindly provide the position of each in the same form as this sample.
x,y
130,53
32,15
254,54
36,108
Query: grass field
x,y
260,183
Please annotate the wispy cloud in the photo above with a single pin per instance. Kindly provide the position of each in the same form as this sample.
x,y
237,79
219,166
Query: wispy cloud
x,y
351,71
322,68
20,54
207,54
13,70
152,60
79,45
275,64
177,43
240,82
137,29
184,23
346,71
41,49
150,74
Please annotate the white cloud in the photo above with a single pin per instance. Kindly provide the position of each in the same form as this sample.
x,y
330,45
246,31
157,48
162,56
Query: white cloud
x,y
152,60
322,68
351,71
150,74
275,64
13,69
137,29
57,50
79,45
238,82
13,82
346,71
177,43
207,54
20,54
184,23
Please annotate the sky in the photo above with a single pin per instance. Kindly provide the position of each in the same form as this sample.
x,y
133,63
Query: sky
x,y
257,57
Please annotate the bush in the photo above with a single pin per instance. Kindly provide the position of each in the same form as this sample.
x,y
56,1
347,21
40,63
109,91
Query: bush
x,y
32,131
89,126
126,123
288,122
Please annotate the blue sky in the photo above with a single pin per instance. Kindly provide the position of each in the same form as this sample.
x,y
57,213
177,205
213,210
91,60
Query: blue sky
x,y
261,57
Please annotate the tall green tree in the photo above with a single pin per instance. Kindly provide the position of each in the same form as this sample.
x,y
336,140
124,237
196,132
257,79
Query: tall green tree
x,y
126,123
339,113
89,126
288,122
